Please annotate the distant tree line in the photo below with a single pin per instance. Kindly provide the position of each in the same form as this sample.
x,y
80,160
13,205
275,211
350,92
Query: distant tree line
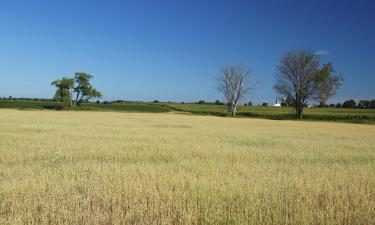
x,y
25,99
361,104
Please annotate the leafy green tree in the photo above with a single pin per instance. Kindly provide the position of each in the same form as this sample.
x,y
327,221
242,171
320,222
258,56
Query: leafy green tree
x,y
363,104
349,104
64,90
300,79
372,104
83,89
79,85
327,84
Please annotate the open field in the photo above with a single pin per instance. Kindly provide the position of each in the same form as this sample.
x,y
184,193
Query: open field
x,y
61,167
364,116
122,107
282,113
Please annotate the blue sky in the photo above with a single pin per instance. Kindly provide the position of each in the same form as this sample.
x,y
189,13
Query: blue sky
x,y
171,50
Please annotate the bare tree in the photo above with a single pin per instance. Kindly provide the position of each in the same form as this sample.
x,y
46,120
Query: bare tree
x,y
300,79
233,83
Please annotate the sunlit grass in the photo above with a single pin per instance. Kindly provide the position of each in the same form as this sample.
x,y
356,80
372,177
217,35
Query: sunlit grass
x,y
130,168
365,116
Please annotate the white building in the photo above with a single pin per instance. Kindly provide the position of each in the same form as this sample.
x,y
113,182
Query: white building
x,y
279,101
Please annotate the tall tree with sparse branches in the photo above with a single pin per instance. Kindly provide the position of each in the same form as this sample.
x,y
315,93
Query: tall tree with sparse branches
x,y
233,83
300,79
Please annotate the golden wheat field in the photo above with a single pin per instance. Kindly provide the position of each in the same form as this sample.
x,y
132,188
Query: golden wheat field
x,y
140,168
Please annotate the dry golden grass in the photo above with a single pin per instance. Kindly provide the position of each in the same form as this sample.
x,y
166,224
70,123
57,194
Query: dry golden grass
x,y
130,168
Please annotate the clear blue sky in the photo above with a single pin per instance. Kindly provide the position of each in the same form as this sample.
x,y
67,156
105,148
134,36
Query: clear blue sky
x,y
172,49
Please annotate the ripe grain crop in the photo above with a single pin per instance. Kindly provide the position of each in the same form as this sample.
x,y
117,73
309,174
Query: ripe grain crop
x,y
61,167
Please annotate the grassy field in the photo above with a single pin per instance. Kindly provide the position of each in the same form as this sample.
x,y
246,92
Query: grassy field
x,y
63,167
282,113
123,107
276,113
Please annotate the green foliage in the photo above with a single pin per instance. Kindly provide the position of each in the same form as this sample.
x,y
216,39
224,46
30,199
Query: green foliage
x,y
62,95
372,104
64,89
276,113
105,106
281,113
327,83
80,85
300,79
349,104
363,104
217,102
84,90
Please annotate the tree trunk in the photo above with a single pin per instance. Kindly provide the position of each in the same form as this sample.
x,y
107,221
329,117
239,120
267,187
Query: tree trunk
x,y
232,107
71,98
76,101
299,112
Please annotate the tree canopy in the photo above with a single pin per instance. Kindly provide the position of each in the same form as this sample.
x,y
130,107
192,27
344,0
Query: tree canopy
x,y
300,79
79,85
64,89
84,90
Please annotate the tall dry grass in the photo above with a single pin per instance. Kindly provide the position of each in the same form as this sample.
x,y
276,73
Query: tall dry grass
x,y
128,168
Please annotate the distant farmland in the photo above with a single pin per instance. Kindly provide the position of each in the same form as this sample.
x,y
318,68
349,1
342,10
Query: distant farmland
x,y
366,116
59,167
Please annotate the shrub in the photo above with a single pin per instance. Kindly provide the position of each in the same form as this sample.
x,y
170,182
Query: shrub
x,y
201,102
349,104
55,107
264,104
59,107
371,105
156,101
